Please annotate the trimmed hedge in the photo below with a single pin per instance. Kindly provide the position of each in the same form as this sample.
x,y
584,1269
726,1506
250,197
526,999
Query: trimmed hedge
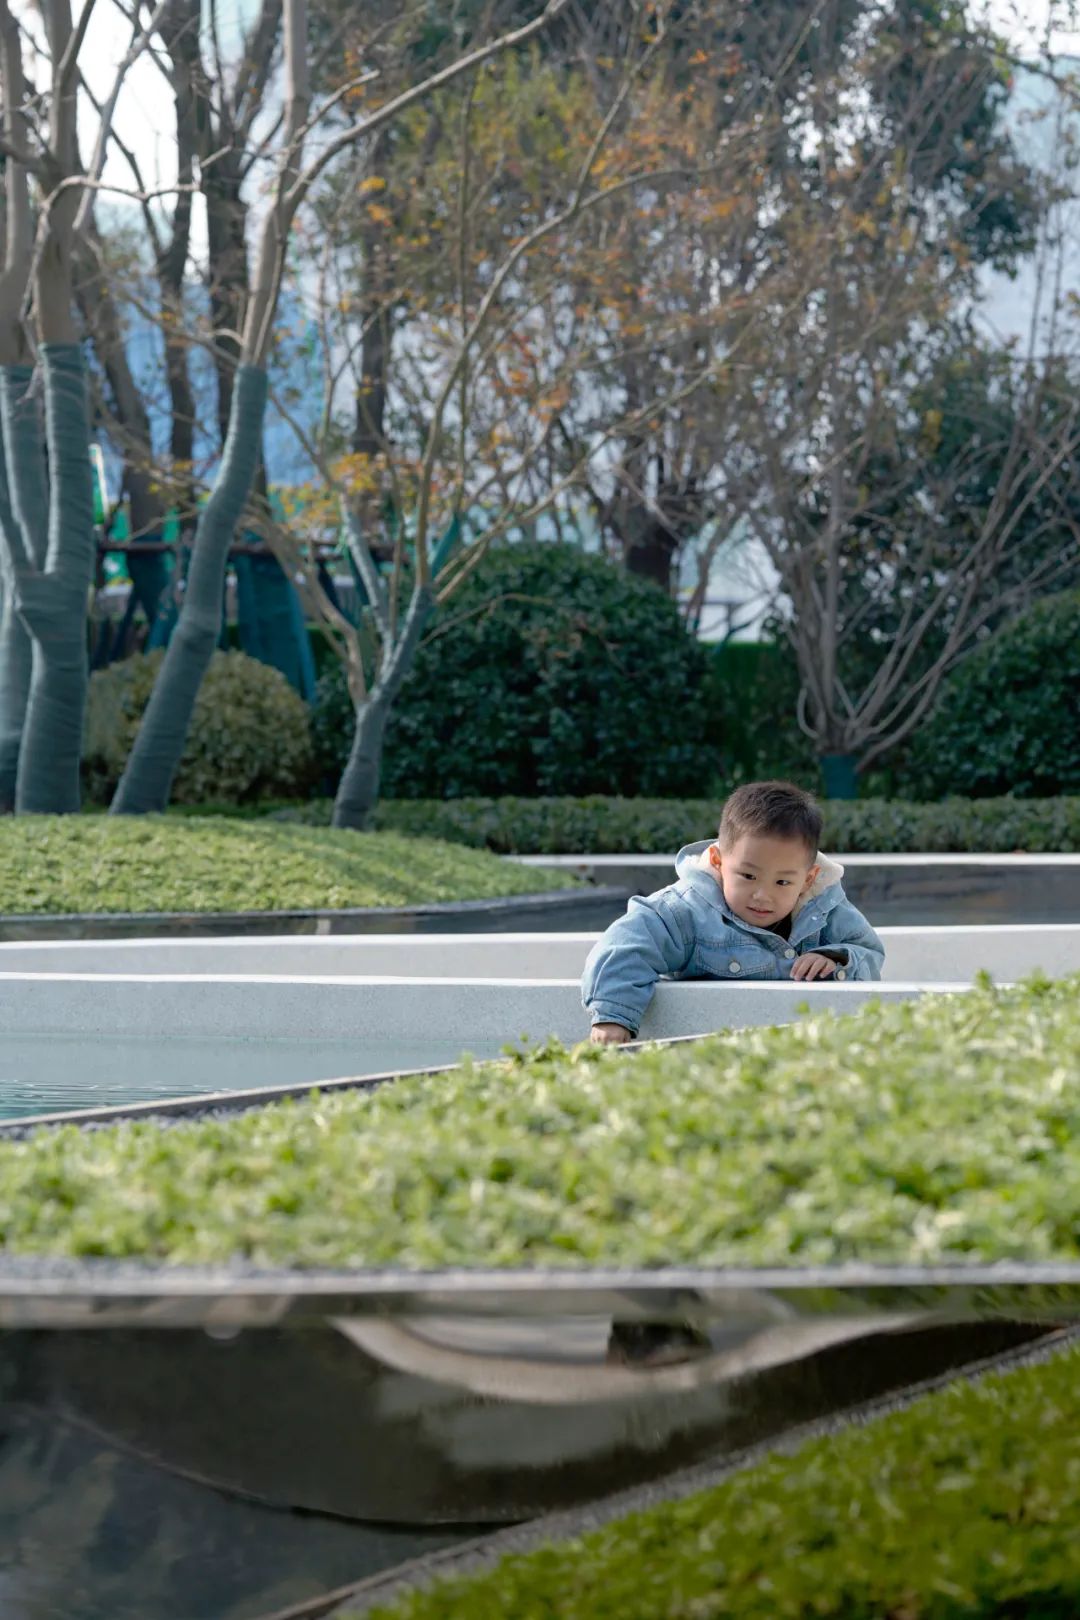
x,y
167,863
943,1129
751,693
612,826
250,737
1008,718
963,1506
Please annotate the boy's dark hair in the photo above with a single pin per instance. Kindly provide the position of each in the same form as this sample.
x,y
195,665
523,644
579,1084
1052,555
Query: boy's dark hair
x,y
771,810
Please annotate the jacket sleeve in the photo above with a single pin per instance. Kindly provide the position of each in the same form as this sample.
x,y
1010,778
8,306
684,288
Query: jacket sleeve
x,y
846,929
654,937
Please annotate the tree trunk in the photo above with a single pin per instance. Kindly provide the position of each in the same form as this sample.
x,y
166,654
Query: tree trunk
x,y
650,553
370,425
840,775
52,601
226,226
180,32
358,790
14,654
159,745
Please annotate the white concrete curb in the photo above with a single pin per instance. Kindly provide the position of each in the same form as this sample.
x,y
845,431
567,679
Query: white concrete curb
x,y
927,955
476,1015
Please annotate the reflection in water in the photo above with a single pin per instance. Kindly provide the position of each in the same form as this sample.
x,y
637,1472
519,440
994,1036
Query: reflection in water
x,y
302,1418
89,1532
42,1073
131,1461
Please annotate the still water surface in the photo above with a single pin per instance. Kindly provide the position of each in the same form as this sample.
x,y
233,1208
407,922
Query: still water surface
x,y
91,1532
44,1073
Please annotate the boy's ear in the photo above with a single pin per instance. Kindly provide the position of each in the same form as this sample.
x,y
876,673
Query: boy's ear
x,y
715,859
811,878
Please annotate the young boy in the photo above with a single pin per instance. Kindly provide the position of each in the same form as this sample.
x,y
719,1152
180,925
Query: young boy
x,y
759,903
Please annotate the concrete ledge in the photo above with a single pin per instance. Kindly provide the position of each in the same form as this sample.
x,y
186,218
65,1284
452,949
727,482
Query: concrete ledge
x,y
74,1042
571,908
926,955
892,888
463,1012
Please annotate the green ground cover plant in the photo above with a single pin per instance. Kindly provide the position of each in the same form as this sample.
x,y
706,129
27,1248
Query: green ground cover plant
x,y
156,863
942,1129
962,1506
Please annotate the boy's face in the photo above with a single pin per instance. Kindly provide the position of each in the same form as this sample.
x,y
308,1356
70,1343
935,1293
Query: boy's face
x,y
763,877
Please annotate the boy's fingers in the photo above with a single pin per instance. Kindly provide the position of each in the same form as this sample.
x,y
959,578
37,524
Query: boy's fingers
x,y
816,967
608,1035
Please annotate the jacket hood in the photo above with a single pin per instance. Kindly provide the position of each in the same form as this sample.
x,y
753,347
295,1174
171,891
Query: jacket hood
x,y
692,865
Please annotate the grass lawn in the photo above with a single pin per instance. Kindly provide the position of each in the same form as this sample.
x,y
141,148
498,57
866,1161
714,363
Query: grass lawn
x,y
167,863
962,1507
944,1129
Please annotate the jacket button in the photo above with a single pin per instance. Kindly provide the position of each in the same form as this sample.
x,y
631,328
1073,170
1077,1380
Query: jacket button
x,y
789,953
734,967
840,974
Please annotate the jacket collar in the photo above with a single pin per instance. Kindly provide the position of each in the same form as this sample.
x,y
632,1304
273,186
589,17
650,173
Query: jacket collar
x,y
692,865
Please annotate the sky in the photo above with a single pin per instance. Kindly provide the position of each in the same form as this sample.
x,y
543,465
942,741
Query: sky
x,y
144,119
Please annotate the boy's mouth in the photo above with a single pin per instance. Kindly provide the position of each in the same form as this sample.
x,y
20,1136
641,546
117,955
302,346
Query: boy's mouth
x,y
760,911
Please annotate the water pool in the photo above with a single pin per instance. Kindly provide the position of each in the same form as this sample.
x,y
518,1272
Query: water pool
x,y
42,1074
91,1531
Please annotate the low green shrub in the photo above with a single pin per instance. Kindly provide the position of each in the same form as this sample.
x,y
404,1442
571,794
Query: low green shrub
x,y
172,863
549,670
613,826
750,694
990,826
250,735
963,1506
1007,719
942,1129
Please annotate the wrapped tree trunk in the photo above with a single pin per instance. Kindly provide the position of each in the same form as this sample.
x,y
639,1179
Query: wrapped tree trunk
x,y
358,790
14,659
14,641
14,687
159,745
50,537
52,562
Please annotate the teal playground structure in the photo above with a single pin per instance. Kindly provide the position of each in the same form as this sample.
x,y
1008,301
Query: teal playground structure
x,y
267,619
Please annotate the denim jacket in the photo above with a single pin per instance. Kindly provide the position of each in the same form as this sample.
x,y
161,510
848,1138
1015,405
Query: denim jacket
x,y
686,931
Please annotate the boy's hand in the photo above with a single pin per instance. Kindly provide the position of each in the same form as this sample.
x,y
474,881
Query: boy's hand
x,y
812,965
609,1035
